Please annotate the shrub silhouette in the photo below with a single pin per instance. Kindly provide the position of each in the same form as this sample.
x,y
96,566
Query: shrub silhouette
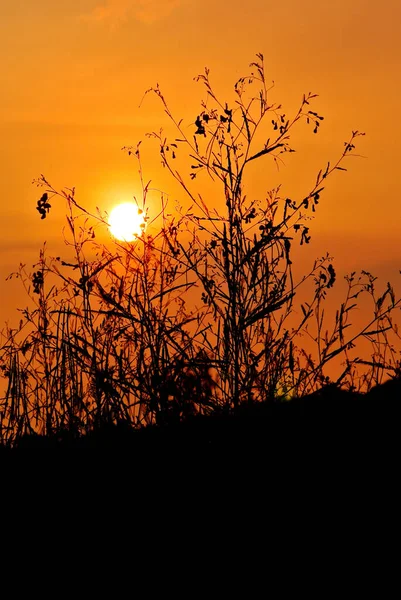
x,y
198,318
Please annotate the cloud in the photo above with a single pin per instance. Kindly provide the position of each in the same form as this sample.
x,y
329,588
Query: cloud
x,y
116,12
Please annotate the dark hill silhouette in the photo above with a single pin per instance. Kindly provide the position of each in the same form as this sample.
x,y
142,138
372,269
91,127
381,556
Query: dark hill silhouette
x,y
330,422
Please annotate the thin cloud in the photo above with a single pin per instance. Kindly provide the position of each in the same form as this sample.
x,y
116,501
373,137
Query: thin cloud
x,y
116,12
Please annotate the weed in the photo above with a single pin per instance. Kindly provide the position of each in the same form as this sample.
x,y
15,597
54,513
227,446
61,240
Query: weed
x,y
199,317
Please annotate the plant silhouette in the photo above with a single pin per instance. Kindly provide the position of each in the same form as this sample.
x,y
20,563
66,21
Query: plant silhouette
x,y
199,318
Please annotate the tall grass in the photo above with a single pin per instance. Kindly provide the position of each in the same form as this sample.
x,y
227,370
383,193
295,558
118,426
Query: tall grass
x,y
200,316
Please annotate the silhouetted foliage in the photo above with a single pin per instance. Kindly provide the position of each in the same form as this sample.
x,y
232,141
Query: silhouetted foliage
x,y
200,318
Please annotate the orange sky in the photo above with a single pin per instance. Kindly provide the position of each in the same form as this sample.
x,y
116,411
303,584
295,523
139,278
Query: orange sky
x,y
73,73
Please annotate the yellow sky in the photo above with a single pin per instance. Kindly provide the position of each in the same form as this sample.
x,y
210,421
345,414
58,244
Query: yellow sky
x,y
73,73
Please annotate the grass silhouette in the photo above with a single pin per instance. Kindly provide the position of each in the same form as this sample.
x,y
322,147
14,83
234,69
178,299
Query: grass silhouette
x,y
188,337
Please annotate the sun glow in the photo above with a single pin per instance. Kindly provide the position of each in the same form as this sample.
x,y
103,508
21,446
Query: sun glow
x,y
126,222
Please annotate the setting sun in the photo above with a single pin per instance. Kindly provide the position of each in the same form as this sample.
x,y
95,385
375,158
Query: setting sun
x,y
126,222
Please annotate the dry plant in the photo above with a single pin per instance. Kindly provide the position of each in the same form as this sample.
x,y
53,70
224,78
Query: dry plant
x,y
200,316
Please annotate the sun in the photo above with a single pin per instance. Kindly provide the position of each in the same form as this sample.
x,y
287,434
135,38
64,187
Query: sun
x,y
126,222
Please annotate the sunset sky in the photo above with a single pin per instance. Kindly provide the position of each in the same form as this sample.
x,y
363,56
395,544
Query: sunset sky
x,y
73,74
